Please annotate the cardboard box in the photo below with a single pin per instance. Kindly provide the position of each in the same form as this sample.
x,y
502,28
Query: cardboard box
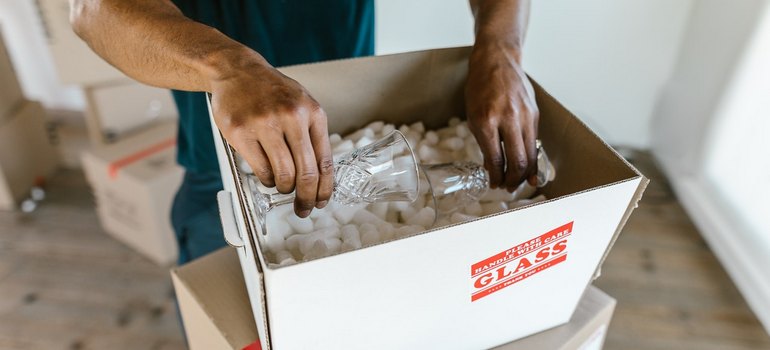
x,y
473,285
27,157
215,311
11,96
134,183
75,62
117,110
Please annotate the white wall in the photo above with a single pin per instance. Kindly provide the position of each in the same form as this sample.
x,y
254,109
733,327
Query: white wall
x,y
605,60
24,36
710,136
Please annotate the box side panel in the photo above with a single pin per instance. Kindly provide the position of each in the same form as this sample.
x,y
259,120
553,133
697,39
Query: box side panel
x,y
469,280
249,255
199,328
26,154
10,95
130,106
417,86
134,205
582,163
7,202
216,284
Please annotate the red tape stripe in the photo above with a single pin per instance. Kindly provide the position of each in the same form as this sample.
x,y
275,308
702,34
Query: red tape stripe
x,y
135,157
254,346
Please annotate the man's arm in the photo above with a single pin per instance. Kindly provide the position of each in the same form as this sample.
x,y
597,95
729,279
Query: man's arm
x,y
500,101
269,118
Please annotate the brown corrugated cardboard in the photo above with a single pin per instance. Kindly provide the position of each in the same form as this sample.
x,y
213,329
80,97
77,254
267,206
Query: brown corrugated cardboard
x,y
75,62
26,155
11,96
215,310
134,182
117,110
436,281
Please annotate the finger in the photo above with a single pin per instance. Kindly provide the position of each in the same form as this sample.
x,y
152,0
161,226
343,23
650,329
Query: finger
x,y
515,155
319,136
260,164
306,169
529,135
489,142
281,161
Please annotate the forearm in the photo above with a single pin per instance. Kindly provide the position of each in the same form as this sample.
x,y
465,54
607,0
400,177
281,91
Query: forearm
x,y
153,42
501,23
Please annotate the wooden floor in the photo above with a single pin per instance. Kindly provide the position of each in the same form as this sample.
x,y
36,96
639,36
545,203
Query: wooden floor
x,y
64,284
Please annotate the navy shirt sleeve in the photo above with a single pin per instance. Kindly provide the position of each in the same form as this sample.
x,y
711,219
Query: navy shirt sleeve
x,y
285,32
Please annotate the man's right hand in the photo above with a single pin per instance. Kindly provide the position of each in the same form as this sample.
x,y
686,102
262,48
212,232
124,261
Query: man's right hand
x,y
278,128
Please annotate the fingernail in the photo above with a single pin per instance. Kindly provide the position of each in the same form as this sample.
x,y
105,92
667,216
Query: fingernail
x,y
304,213
321,204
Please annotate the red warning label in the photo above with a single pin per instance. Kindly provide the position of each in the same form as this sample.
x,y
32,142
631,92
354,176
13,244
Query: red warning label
x,y
519,262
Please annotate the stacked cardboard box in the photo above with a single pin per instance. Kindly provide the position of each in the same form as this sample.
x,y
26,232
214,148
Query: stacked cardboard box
x,y
26,154
75,62
27,157
215,311
134,181
117,110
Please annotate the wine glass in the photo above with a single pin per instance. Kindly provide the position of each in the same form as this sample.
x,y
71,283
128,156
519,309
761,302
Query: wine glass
x,y
385,170
457,184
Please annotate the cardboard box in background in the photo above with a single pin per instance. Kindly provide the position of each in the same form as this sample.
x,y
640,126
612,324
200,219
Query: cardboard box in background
x,y
117,110
27,157
468,281
75,62
216,314
134,183
11,96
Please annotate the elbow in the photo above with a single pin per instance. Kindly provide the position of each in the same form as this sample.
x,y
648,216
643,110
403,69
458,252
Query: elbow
x,y
81,17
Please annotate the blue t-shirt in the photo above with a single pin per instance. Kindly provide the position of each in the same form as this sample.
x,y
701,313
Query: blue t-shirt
x,y
285,32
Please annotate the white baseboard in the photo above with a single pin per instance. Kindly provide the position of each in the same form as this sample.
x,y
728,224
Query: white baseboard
x,y
732,245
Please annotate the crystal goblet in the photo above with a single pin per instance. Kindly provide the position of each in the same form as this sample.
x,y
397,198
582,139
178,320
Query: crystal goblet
x,y
454,185
385,170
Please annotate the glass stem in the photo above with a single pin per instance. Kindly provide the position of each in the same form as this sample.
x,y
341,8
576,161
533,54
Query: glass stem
x,y
281,199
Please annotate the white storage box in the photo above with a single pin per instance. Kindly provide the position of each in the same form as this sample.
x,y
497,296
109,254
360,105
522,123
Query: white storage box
x,y
216,315
27,157
117,110
474,285
134,183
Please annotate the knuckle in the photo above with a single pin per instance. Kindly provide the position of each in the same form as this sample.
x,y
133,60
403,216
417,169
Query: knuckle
x,y
284,177
326,166
496,161
264,173
520,165
308,176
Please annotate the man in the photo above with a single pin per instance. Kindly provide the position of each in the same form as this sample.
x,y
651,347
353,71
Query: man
x,y
229,48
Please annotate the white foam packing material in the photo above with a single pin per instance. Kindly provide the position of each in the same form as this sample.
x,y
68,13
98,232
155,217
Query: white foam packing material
x,y
339,228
